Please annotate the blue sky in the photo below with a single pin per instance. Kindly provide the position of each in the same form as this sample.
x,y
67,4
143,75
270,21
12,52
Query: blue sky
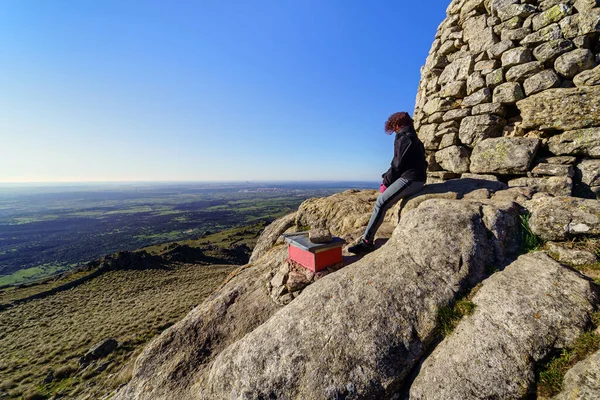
x,y
134,90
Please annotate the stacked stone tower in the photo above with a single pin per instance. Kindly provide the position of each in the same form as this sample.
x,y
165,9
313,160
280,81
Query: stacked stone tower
x,y
511,91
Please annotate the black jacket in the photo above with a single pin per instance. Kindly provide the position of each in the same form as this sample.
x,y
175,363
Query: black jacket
x,y
409,158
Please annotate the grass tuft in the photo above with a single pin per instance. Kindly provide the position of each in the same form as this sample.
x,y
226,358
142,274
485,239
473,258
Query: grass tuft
x,y
529,241
449,317
550,380
596,318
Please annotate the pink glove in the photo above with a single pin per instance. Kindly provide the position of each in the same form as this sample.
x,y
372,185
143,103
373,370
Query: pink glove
x,y
382,188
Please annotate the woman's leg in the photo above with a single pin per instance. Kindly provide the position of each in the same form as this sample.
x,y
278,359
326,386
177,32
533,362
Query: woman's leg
x,y
397,190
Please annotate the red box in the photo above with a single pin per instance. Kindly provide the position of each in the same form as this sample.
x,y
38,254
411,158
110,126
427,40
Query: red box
x,y
313,256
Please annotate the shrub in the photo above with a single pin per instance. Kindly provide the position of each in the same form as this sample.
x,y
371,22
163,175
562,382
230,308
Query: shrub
x,y
65,371
34,394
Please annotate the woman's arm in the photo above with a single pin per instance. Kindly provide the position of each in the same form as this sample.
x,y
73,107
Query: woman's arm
x,y
401,145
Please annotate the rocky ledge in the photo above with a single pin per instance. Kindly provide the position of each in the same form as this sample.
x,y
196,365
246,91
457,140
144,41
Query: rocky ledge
x,y
371,328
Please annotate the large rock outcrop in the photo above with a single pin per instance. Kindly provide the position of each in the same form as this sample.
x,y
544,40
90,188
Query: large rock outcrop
x,y
522,314
345,214
511,69
358,332
176,361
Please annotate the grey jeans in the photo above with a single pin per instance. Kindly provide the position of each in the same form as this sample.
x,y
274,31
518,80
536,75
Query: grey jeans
x,y
397,190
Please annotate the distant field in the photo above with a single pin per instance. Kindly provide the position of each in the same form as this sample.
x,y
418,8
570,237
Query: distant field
x,y
45,230
31,274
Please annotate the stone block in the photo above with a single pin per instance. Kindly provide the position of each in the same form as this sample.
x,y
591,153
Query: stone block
x,y
492,178
504,155
486,65
457,70
572,256
541,81
552,15
586,5
583,142
516,10
475,82
548,52
516,56
588,172
482,96
493,21
585,41
589,22
561,109
554,185
581,24
458,114
519,73
489,108
569,26
432,165
553,170
449,124
515,34
494,78
439,105
446,48
476,33
588,78
441,175
572,63
436,118
508,93
561,218
449,139
513,23
456,89
479,127
427,134
562,160
496,51
551,32
453,159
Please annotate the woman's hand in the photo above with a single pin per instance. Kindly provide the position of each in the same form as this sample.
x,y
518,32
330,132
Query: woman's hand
x,y
382,188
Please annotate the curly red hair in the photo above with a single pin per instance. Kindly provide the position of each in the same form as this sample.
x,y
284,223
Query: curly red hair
x,y
397,121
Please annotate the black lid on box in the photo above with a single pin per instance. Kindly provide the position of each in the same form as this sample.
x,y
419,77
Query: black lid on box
x,y
303,242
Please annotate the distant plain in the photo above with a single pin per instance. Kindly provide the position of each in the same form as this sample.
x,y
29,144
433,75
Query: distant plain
x,y
45,230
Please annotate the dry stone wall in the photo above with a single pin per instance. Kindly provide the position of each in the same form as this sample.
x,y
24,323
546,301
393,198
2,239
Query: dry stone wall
x,y
511,88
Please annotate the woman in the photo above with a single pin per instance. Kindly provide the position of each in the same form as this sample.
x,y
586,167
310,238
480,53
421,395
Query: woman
x,y
406,175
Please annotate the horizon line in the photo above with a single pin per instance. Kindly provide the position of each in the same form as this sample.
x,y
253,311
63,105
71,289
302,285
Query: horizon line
x,y
184,181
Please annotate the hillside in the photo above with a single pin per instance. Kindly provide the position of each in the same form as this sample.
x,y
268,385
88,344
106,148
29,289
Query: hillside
x,y
47,327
